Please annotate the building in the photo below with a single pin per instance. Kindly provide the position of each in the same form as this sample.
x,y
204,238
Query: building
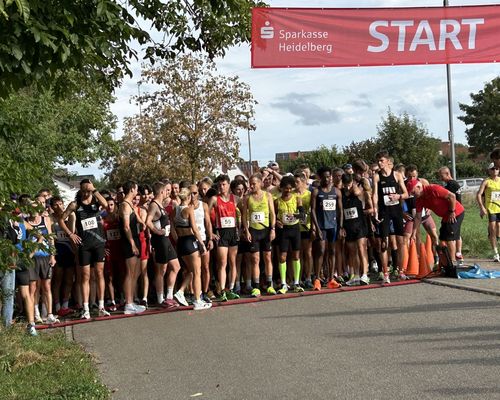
x,y
290,156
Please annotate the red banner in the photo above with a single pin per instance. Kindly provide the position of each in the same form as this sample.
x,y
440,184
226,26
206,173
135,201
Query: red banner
x,y
300,37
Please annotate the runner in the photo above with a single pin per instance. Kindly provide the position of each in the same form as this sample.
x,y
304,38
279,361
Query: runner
x,y
490,189
326,204
144,239
289,211
190,245
302,190
89,239
65,258
388,191
202,217
259,230
227,246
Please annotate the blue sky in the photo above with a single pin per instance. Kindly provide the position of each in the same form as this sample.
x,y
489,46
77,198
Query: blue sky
x,y
301,109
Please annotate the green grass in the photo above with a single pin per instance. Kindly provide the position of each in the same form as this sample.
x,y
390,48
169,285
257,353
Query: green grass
x,y
46,367
474,231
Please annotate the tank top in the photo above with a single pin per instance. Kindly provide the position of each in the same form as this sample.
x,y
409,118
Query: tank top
x,y
258,212
305,224
286,210
62,240
163,222
387,185
199,217
225,213
42,228
353,211
326,208
179,220
492,195
133,224
88,223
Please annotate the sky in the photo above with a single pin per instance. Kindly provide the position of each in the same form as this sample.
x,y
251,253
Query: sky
x,y
302,109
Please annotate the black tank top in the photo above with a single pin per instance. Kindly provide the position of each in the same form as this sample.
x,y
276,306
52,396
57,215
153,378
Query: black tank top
x,y
353,211
387,185
88,223
133,223
163,222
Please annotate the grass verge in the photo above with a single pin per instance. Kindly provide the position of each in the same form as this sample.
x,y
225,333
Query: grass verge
x,y
474,231
46,367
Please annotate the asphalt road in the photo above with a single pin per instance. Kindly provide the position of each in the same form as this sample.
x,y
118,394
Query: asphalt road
x,y
409,342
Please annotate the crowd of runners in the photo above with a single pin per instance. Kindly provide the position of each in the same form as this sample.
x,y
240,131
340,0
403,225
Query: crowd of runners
x,y
181,243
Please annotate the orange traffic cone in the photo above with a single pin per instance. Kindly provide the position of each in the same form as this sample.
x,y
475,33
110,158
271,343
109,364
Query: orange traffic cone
x,y
424,269
413,267
430,253
404,264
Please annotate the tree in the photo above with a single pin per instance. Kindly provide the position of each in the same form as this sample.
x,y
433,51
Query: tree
x,y
40,39
187,127
364,150
482,118
409,142
320,157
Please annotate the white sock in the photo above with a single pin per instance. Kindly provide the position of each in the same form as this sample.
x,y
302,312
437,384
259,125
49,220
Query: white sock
x,y
37,311
101,304
170,293
160,298
85,306
65,304
58,306
249,284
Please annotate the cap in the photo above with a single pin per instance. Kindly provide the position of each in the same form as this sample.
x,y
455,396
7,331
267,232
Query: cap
x,y
347,166
411,183
273,164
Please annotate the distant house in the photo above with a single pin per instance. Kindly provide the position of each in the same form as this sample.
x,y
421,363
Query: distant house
x,y
66,190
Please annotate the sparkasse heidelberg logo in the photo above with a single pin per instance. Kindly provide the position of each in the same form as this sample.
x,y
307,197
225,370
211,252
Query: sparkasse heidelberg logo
x,y
267,31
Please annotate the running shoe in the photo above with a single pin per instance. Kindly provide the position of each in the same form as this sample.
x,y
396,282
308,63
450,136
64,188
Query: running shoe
x,y
460,259
205,298
199,305
52,320
374,266
308,284
103,313
283,289
255,292
223,296
496,258
364,280
297,288
339,279
112,307
231,295
354,281
333,284
64,312
85,315
402,276
386,278
381,276
144,303
211,295
179,296
38,319
271,291
190,298
31,330
133,309
169,303
317,285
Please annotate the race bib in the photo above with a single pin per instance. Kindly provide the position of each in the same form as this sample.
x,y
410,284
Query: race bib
x,y
289,219
389,202
167,230
495,196
257,217
351,213
89,223
329,205
227,222
113,234
62,236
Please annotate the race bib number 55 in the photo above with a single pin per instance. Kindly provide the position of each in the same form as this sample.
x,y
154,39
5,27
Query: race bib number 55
x,y
227,222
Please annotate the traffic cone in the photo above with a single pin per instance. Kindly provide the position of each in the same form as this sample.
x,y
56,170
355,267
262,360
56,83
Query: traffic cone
x,y
413,267
424,269
429,252
404,264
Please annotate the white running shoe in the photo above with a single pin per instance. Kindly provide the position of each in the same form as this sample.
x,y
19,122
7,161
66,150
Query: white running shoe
x,y
496,257
31,330
199,305
52,320
181,299
386,278
133,309
103,313
85,315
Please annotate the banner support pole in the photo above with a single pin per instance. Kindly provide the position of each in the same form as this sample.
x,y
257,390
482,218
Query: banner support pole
x,y
451,136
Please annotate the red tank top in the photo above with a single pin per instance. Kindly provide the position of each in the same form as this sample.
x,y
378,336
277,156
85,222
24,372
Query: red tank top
x,y
113,236
226,212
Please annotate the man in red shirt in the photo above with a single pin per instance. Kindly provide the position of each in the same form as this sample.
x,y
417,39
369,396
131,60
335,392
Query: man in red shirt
x,y
445,205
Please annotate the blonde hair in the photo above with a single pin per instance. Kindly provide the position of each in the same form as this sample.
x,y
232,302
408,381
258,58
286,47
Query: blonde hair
x,y
184,193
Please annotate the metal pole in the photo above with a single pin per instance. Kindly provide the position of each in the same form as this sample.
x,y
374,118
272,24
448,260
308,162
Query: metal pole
x,y
139,92
451,135
249,150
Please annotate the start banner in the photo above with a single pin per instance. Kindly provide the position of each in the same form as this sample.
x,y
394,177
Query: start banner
x,y
302,37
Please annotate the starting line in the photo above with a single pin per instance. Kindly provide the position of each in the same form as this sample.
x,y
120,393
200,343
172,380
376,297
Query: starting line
x,y
216,304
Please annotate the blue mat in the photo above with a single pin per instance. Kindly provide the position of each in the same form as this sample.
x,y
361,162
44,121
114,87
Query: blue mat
x,y
477,273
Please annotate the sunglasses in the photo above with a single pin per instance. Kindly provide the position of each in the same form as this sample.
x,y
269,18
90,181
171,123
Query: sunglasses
x,y
193,193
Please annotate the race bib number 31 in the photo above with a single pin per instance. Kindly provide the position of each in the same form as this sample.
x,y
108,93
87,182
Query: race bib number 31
x,y
227,222
89,223
329,205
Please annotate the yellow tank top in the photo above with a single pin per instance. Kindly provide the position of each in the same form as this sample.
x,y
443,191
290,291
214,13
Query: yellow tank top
x,y
258,211
286,210
492,195
305,225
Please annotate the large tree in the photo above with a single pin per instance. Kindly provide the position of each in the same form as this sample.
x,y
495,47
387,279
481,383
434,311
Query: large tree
x,y
187,127
314,159
482,118
39,39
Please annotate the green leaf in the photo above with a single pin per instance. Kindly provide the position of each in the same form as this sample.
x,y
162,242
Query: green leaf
x,y
17,52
